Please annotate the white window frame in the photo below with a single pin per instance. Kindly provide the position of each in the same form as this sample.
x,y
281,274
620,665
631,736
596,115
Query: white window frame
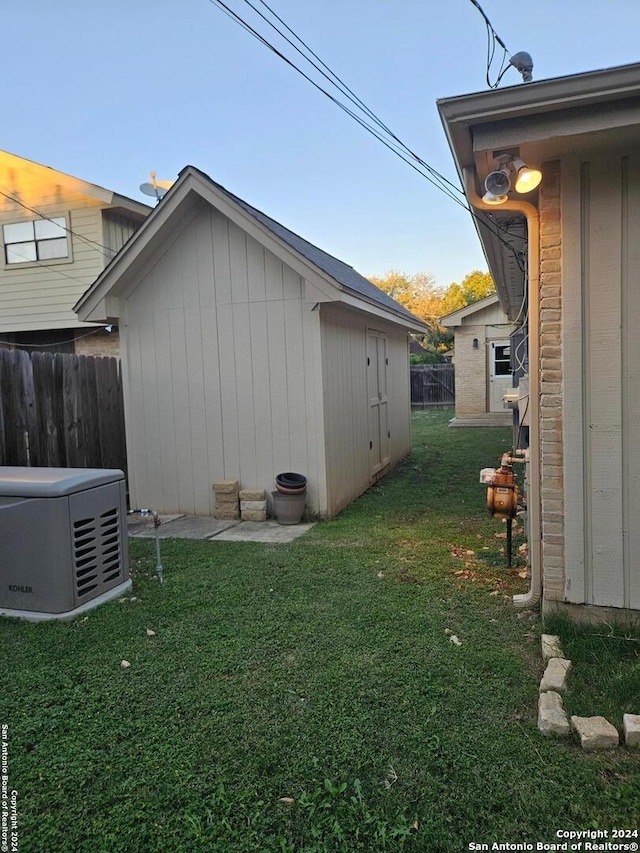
x,y
37,241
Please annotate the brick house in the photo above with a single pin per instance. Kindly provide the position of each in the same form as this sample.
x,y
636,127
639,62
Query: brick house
x,y
565,260
483,361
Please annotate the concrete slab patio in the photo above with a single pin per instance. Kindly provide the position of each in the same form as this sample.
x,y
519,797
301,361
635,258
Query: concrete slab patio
x,y
204,527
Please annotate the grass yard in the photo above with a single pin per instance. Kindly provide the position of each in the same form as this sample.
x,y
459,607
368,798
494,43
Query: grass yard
x,y
307,697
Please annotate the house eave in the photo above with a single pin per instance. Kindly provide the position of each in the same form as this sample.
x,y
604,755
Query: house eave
x,y
543,120
455,318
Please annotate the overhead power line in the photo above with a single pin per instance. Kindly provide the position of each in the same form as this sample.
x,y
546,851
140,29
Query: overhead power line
x,y
42,215
359,111
391,141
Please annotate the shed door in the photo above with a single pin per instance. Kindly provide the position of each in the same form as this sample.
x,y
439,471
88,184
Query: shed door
x,y
377,369
500,379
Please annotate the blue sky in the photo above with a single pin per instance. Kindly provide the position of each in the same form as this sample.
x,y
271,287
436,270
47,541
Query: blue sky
x,y
110,91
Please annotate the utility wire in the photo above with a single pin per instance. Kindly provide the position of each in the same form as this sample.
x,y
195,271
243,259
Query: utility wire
x,y
238,19
42,215
492,39
58,343
40,265
431,174
335,80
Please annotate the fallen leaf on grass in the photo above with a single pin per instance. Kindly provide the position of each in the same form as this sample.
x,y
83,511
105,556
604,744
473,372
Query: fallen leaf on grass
x,y
287,800
125,664
150,632
459,551
523,573
466,574
416,825
448,631
453,639
380,574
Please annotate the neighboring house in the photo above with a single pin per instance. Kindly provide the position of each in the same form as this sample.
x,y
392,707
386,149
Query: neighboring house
x,y
58,233
565,260
483,363
247,351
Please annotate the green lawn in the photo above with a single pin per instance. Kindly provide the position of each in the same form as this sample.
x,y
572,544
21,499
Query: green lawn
x,y
319,671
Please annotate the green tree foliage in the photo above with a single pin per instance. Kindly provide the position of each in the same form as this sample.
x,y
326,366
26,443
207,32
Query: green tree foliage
x,y
420,294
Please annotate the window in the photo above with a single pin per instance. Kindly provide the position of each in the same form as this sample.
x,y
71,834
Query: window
x,y
38,240
502,360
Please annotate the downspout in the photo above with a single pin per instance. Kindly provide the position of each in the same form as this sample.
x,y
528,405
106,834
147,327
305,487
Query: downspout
x,y
530,212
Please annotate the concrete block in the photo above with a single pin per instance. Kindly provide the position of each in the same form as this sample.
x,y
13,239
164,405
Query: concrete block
x,y
552,718
555,675
252,495
254,515
551,647
261,506
225,487
227,511
595,732
631,723
227,498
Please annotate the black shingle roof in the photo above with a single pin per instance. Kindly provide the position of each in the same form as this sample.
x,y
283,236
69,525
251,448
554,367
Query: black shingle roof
x,y
341,273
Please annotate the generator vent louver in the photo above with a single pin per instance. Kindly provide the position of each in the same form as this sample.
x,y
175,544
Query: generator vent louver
x,y
79,557
97,552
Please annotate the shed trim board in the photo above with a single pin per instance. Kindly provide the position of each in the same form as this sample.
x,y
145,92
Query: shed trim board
x,y
241,359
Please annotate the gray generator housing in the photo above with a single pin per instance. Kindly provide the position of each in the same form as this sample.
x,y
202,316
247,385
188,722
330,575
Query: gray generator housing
x,y
63,540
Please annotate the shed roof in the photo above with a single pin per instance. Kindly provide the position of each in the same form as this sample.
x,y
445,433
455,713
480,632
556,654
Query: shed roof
x,y
345,277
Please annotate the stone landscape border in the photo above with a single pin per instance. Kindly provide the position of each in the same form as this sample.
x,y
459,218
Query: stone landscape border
x,y
594,732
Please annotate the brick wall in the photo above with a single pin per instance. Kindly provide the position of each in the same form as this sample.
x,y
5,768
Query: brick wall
x,y
551,440
98,343
471,371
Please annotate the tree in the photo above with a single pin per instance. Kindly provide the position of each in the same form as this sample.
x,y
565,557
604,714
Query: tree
x,y
420,295
418,292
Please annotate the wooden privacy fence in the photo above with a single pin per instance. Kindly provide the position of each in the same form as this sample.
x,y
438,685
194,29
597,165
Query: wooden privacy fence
x,y
61,410
432,385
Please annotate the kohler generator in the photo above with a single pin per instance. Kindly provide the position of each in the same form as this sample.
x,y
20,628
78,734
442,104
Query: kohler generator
x,y
63,540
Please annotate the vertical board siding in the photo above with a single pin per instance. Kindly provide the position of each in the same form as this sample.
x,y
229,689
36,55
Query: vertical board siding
x,y
603,383
601,353
116,229
347,424
215,333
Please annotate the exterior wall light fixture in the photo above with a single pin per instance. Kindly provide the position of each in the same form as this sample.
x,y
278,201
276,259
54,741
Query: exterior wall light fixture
x,y
498,183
